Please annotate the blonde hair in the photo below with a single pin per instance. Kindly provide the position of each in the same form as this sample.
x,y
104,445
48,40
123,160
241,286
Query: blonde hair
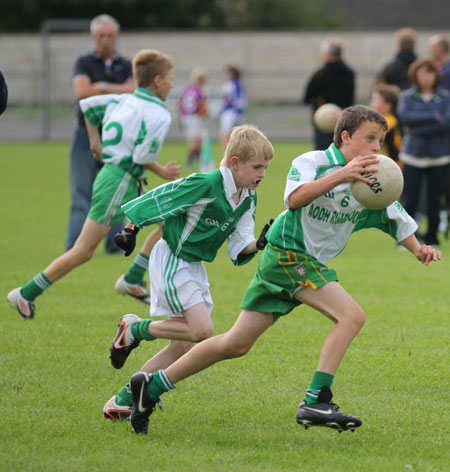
x,y
148,63
199,74
246,142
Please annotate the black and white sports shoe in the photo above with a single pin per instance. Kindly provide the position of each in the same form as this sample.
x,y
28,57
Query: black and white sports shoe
x,y
124,341
325,413
143,405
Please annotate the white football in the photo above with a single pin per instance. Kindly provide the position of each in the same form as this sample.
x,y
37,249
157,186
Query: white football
x,y
325,117
385,188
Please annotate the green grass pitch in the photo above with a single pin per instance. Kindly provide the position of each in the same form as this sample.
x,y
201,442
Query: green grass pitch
x,y
239,415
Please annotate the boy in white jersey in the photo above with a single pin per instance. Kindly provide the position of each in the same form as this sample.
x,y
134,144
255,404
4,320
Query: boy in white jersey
x,y
133,130
200,213
321,216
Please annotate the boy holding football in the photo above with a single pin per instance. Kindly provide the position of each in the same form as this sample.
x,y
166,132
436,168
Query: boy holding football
x,y
133,130
200,213
320,217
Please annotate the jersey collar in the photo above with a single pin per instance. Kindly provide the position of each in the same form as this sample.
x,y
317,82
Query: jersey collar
x,y
145,94
230,186
335,156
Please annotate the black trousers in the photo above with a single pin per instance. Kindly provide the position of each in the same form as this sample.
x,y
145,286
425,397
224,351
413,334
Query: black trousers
x,y
433,178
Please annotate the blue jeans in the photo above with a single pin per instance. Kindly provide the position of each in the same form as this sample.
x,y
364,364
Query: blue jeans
x,y
83,170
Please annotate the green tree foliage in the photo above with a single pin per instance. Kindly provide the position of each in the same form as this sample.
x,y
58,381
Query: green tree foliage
x,y
28,15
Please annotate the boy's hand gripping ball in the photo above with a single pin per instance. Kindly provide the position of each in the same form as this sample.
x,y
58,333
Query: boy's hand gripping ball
x,y
386,185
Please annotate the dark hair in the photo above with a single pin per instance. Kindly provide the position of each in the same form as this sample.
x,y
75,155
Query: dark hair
x,y
351,118
234,70
427,64
389,93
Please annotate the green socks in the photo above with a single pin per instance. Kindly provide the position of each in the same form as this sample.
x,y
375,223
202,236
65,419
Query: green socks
x,y
159,384
124,396
320,380
35,287
140,331
136,271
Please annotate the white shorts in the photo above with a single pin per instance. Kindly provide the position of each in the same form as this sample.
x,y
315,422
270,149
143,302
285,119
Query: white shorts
x,y
176,285
193,126
228,120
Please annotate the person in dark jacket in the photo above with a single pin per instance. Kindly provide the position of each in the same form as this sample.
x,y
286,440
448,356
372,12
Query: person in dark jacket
x,y
3,93
424,111
334,83
395,72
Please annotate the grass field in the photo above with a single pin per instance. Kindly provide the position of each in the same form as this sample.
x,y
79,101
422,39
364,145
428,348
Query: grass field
x,y
239,415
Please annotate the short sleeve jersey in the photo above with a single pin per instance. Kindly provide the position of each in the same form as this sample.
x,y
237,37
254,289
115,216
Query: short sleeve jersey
x,y
233,96
199,215
134,127
191,100
323,227
116,71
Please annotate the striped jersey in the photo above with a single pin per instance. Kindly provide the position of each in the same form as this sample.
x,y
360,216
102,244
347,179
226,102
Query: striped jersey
x,y
199,215
134,127
323,227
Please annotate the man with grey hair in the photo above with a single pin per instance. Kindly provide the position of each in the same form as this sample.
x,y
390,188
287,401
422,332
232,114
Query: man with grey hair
x,y
99,72
333,82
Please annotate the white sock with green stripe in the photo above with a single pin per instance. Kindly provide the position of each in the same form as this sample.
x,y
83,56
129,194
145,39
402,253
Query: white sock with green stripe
x,y
35,287
159,385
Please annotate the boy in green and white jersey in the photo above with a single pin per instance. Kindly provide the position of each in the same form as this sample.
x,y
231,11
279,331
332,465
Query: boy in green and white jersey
x,y
321,216
133,130
200,213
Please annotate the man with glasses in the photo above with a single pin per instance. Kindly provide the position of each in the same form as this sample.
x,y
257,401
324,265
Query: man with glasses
x,y
99,72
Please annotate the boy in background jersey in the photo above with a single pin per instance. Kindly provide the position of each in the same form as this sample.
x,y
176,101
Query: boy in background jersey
x,y
234,102
193,109
321,216
384,100
200,213
133,130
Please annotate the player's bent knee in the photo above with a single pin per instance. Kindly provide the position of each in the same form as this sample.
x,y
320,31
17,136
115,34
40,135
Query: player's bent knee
x,y
201,333
358,319
235,349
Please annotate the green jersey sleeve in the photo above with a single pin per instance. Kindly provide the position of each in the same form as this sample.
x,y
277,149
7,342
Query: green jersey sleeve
x,y
393,220
94,108
167,201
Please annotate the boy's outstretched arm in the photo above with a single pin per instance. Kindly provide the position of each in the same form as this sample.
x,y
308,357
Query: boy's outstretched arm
x,y
169,171
423,253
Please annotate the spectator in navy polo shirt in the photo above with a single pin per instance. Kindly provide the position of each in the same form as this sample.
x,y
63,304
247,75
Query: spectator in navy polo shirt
x,y
99,72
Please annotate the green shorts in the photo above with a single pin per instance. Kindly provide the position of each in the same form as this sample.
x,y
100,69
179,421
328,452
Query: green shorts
x,y
112,188
280,274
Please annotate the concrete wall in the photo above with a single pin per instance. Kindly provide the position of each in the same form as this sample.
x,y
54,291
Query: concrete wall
x,y
276,65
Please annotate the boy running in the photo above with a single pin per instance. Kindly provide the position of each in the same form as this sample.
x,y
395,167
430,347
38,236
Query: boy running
x,y
133,130
200,213
321,216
